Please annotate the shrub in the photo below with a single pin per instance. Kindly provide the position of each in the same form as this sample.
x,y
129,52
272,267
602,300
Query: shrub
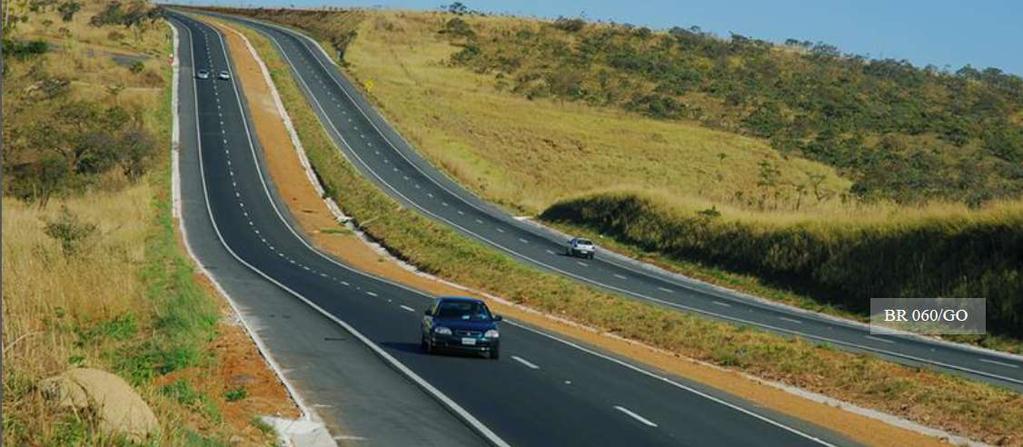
x,y
70,231
837,262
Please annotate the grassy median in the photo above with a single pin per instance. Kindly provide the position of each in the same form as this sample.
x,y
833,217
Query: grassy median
x,y
961,406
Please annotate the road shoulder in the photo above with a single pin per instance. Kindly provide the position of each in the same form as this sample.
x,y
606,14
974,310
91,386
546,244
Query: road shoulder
x,y
314,216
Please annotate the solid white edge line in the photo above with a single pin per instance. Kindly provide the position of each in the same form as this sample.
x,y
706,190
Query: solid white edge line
x,y
597,283
668,380
631,268
882,340
635,416
695,310
441,396
525,362
996,362
307,413
422,383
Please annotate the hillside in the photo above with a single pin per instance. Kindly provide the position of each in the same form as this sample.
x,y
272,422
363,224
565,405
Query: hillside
x,y
900,132
527,154
561,118
94,275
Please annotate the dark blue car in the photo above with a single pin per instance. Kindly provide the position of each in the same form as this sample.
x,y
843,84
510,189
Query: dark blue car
x,y
461,324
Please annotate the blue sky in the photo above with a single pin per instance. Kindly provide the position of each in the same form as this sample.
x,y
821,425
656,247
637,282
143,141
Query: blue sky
x,y
985,33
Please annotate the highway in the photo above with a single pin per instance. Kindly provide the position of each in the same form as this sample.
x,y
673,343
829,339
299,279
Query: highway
x,y
385,157
544,391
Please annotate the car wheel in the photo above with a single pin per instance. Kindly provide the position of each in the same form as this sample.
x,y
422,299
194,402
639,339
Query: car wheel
x,y
495,354
425,345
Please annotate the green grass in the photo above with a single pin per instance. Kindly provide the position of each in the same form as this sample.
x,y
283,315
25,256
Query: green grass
x,y
965,253
125,300
928,397
532,155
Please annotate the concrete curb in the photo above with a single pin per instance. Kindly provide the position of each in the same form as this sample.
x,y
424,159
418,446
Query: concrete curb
x,y
291,432
382,250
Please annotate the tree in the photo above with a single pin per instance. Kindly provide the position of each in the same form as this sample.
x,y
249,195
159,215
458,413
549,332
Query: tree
x,y
68,10
458,8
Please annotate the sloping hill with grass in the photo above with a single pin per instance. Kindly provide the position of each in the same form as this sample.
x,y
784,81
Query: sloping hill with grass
x,y
899,131
783,157
93,272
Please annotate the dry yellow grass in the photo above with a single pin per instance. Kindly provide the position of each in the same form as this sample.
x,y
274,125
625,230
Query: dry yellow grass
x,y
85,54
952,403
48,296
527,154
127,300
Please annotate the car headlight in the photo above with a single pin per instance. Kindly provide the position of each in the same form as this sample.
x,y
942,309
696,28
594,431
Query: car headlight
x,y
491,334
441,330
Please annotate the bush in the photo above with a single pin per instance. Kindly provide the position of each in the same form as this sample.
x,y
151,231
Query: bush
x,y
458,27
136,67
840,263
70,231
570,25
24,50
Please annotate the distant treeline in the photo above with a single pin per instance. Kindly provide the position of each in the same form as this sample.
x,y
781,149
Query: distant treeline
x,y
978,255
900,132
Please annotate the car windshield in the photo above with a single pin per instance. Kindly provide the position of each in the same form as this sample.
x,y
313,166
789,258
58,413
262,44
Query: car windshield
x,y
463,310
583,242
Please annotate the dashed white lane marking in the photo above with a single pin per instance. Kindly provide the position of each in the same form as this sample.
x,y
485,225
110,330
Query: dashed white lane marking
x,y
444,203
345,283
619,276
790,320
407,308
371,293
429,194
479,221
722,304
500,230
549,252
582,263
523,241
635,416
523,361
461,212
665,289
883,340
996,362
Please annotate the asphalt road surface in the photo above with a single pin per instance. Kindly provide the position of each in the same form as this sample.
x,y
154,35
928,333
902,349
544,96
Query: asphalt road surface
x,y
383,156
544,390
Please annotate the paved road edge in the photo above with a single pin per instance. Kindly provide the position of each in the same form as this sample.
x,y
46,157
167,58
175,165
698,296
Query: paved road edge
x,y
308,426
